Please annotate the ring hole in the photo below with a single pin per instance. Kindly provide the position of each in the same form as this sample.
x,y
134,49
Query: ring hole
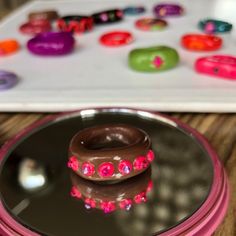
x,y
107,141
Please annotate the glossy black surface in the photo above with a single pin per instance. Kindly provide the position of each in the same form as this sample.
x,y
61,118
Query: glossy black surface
x,y
182,177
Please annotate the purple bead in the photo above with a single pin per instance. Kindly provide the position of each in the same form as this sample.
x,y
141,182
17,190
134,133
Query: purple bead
x,y
7,79
51,44
163,10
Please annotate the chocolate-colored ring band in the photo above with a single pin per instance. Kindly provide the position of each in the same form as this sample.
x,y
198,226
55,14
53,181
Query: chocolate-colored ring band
x,y
112,197
43,15
110,152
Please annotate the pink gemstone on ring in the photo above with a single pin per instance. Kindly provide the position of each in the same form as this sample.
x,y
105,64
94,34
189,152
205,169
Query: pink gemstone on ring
x,y
141,197
150,186
126,204
75,192
88,169
106,169
125,167
73,163
150,156
108,206
141,163
89,203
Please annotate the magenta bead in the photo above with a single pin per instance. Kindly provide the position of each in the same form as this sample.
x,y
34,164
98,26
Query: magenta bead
x,y
125,167
141,163
164,10
88,169
108,207
73,163
51,44
150,156
106,169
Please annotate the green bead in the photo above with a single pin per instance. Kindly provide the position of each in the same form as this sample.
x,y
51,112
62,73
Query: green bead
x,y
153,59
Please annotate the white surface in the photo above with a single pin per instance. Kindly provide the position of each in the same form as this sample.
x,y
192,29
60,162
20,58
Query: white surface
x,y
98,76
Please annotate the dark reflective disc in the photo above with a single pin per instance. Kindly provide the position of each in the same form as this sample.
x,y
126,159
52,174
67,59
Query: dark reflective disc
x,y
35,182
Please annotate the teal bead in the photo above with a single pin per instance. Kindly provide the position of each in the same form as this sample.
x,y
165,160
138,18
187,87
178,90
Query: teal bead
x,y
153,59
215,26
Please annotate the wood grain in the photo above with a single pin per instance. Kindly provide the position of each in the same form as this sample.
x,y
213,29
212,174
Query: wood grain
x,y
219,129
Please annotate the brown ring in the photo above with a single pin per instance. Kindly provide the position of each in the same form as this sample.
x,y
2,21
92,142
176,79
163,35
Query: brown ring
x,y
107,148
43,15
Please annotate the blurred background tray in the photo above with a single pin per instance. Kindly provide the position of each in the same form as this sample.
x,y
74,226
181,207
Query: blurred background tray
x,y
97,76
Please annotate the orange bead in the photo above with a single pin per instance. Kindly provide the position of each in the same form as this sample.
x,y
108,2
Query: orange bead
x,y
8,46
201,42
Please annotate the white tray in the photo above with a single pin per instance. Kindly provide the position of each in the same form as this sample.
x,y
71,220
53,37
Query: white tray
x,y
97,76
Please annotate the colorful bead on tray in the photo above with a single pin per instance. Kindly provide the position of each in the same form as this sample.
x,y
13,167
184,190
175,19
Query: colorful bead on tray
x,y
201,42
134,10
211,26
153,59
35,27
43,15
150,24
7,80
165,10
52,44
8,46
75,23
107,17
218,65
116,38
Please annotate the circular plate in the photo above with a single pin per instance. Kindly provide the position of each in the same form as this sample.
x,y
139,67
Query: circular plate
x,y
189,195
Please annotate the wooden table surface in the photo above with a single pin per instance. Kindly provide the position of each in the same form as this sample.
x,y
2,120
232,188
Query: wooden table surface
x,y
219,129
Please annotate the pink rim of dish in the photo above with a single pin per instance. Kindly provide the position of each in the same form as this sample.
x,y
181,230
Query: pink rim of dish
x,y
204,221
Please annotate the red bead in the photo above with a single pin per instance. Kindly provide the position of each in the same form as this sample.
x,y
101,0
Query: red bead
x,y
125,167
150,156
35,27
106,169
126,204
73,163
88,169
90,203
108,207
75,192
141,163
116,38
139,198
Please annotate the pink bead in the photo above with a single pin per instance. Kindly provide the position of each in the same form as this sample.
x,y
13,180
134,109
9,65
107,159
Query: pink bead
x,y
126,204
90,203
106,169
125,167
141,163
75,192
104,17
209,27
73,163
158,61
108,207
139,198
88,169
150,156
